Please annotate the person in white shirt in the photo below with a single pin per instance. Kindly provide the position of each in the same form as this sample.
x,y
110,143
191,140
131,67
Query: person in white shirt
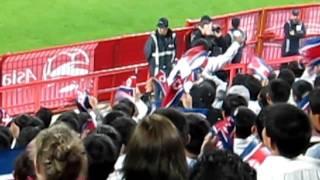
x,y
287,133
246,143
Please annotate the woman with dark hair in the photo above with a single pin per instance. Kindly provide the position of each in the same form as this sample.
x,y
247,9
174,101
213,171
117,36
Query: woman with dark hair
x,y
155,152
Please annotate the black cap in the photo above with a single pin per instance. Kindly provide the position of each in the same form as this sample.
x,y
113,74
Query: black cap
x,y
295,12
205,19
163,23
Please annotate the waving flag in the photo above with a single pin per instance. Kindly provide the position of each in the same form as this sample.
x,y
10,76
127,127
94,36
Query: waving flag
x,y
259,67
311,50
174,93
224,130
161,81
127,89
5,118
304,104
191,62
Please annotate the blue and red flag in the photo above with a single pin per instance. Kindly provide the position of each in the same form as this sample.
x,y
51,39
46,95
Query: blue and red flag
x,y
311,51
161,81
174,93
126,90
259,67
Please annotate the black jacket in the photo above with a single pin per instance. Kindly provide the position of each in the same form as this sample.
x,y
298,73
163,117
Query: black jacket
x,y
213,44
166,46
291,44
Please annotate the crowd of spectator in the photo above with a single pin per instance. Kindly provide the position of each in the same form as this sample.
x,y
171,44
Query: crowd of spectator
x,y
246,129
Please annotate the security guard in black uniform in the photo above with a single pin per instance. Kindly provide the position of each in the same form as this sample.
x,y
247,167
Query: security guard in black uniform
x,y
160,49
294,30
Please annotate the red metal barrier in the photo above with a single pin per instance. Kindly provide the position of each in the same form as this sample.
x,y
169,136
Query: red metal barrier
x,y
20,98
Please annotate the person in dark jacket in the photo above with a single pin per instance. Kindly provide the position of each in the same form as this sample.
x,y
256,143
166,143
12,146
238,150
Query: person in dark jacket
x,y
160,49
294,30
230,38
210,33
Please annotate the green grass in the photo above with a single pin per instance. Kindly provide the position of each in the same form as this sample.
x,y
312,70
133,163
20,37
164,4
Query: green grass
x,y
28,24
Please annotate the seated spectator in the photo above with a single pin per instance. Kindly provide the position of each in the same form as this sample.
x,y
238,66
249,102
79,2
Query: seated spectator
x,y
112,116
26,136
24,168
278,91
203,96
70,119
287,75
222,165
125,126
246,144
59,154
254,86
300,91
155,151
287,133
224,129
6,138
45,115
112,133
263,97
198,129
314,115
102,155
132,111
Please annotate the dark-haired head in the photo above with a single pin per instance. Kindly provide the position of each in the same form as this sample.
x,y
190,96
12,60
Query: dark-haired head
x,y
203,94
222,165
287,130
132,107
287,75
70,119
125,126
235,22
155,151
198,129
5,138
251,83
26,136
278,91
314,114
112,133
301,89
45,115
24,168
178,119
102,155
231,103
244,119
112,115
